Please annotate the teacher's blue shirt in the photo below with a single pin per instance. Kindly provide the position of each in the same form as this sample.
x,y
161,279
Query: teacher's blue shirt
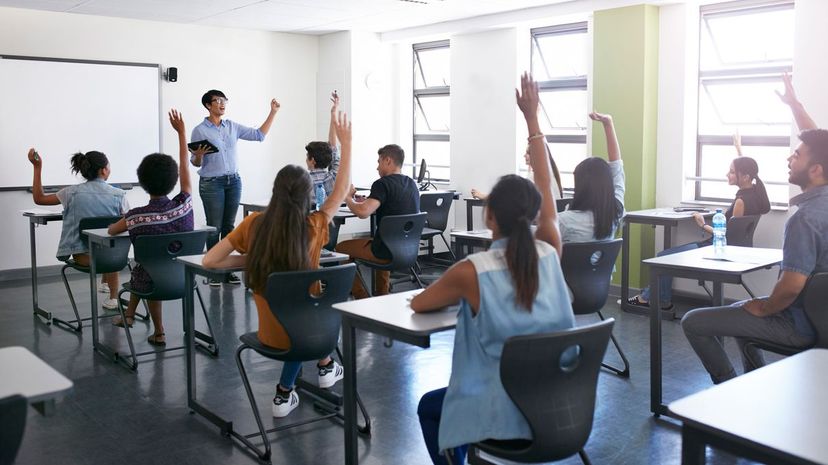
x,y
224,137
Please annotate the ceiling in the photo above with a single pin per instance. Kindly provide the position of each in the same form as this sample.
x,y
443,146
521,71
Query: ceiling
x,y
300,16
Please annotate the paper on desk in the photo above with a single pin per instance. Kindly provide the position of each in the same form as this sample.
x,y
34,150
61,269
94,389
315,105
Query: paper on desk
x,y
480,232
736,258
41,211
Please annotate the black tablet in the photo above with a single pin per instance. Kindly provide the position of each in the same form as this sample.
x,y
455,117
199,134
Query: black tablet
x,y
193,146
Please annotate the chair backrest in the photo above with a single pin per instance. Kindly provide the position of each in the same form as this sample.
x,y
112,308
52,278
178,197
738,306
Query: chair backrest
x,y
333,235
436,206
156,254
740,230
401,234
816,307
310,321
107,260
563,204
12,425
557,401
587,269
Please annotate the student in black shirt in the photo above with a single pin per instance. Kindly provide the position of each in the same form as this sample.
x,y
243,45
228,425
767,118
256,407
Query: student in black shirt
x,y
392,194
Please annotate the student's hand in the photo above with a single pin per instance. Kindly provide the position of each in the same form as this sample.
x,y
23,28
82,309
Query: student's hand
x,y
527,97
476,193
755,307
335,103
343,129
352,192
737,143
35,159
200,151
176,120
789,97
274,106
699,219
602,118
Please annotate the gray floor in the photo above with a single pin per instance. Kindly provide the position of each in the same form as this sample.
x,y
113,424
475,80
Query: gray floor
x,y
116,416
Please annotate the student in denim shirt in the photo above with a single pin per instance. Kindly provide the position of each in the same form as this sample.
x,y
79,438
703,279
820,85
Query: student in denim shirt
x,y
92,198
778,318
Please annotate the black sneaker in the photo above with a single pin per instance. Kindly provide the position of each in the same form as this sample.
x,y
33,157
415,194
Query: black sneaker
x,y
214,282
233,278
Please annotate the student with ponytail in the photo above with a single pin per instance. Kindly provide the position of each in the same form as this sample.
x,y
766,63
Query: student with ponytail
x,y
500,296
286,237
85,200
751,199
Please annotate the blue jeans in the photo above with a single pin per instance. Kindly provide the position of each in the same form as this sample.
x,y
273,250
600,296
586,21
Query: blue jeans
x,y
665,283
220,196
429,411
290,370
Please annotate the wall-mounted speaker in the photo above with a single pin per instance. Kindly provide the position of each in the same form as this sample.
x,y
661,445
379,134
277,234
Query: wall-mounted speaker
x,y
172,74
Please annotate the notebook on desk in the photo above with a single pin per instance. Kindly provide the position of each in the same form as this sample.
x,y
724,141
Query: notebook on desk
x,y
691,209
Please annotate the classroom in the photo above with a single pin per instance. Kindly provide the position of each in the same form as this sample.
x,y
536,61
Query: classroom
x,y
675,83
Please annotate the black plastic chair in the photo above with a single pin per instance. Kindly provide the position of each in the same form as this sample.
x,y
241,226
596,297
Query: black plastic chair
x,y
12,426
313,326
816,306
587,268
558,401
563,204
107,260
156,254
401,234
436,206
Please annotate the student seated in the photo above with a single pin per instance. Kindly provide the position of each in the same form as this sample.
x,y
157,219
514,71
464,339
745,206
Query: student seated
x,y
323,160
392,194
515,288
157,174
751,199
86,200
780,317
557,190
286,236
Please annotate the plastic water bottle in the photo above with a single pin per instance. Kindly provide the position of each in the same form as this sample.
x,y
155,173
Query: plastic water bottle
x,y
719,233
320,196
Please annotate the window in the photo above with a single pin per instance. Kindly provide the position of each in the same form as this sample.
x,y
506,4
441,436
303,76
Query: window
x,y
743,50
431,109
560,61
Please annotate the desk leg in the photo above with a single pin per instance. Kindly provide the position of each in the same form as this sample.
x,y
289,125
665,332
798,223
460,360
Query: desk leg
x,y
718,295
189,336
656,407
350,389
625,264
93,291
35,306
692,447
469,217
45,408
668,237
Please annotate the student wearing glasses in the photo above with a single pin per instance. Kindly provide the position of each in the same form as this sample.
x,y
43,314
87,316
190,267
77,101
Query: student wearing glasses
x,y
219,185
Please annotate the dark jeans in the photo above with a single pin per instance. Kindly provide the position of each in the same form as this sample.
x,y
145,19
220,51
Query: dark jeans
x,y
429,411
220,196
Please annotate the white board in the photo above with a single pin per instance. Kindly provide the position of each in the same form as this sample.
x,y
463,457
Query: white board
x,y
61,107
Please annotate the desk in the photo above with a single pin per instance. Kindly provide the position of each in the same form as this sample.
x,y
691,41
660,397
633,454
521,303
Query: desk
x,y
192,268
777,414
25,374
36,217
389,316
665,217
465,241
471,202
696,264
342,214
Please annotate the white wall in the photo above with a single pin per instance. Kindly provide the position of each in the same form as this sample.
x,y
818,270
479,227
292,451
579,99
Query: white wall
x,y
251,67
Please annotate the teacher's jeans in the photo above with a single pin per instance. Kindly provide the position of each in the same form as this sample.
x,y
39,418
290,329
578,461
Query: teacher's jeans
x,y
220,196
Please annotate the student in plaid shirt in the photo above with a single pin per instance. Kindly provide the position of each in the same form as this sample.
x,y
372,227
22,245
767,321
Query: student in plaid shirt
x,y
323,158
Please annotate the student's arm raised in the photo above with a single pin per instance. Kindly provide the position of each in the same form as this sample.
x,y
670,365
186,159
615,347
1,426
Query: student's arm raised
x,y
177,122
613,149
528,100
332,125
802,118
342,184
40,198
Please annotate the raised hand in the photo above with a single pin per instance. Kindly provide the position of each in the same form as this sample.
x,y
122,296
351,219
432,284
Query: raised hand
x,y
602,118
274,106
737,143
789,97
34,158
527,97
335,102
343,128
176,120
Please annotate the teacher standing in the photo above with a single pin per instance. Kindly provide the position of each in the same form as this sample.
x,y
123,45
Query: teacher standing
x,y
220,185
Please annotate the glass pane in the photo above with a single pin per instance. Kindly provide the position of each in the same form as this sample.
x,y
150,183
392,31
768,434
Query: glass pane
x,y
773,167
567,156
559,55
564,112
437,155
431,114
743,40
747,107
431,68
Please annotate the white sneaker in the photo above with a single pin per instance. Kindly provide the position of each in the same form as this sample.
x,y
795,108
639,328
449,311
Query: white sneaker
x,y
103,288
110,304
282,406
330,374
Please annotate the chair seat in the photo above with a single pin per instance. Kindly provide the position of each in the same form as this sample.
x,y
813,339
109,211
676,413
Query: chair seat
x,y
776,348
375,265
71,263
128,287
429,233
503,448
252,340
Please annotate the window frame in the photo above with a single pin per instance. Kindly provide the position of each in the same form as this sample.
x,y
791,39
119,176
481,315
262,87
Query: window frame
x,y
434,91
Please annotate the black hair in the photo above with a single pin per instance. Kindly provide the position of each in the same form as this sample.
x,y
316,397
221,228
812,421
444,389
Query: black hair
x,y
321,152
208,97
158,174
817,142
394,152
594,191
89,164
748,166
514,203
